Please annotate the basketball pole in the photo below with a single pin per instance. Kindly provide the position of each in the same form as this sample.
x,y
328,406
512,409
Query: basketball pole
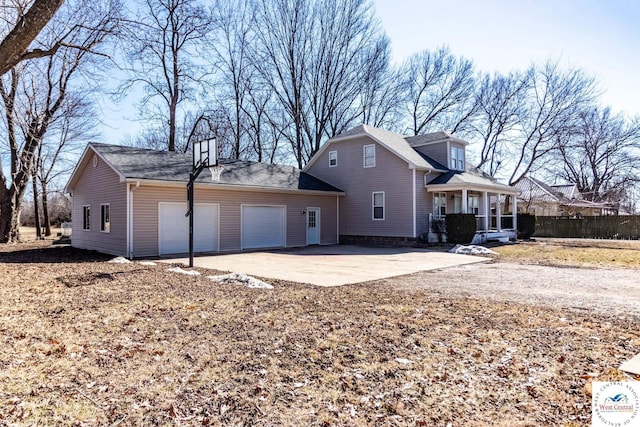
x,y
198,166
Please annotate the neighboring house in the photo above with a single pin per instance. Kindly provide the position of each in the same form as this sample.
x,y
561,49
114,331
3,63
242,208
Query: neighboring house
x,y
132,202
400,188
542,199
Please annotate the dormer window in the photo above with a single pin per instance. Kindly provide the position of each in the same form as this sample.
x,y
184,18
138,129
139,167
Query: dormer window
x,y
457,158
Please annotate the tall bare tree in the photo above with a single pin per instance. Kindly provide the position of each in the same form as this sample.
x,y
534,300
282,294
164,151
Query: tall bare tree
x,y
14,47
162,49
554,101
439,91
602,157
231,40
32,108
501,101
338,66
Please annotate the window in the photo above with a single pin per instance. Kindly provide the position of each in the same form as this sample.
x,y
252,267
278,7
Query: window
x,y
377,201
333,159
369,152
457,204
457,158
105,218
439,205
473,203
86,217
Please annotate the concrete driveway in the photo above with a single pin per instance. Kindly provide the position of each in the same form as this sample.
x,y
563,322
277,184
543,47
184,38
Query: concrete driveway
x,y
332,265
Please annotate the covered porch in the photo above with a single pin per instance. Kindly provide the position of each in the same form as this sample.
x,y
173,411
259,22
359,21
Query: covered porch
x,y
493,205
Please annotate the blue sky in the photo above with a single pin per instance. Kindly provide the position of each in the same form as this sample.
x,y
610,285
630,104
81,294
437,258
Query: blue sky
x,y
601,37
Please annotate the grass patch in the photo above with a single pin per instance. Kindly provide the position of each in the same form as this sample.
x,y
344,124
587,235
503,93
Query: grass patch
x,y
573,253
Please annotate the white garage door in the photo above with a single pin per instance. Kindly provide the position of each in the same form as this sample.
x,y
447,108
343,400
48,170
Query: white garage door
x,y
263,227
173,228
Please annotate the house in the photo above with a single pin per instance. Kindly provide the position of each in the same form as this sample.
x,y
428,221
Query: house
x,y
399,188
542,199
366,185
132,202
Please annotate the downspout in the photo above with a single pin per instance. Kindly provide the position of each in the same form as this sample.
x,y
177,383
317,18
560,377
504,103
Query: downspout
x,y
129,251
415,232
338,220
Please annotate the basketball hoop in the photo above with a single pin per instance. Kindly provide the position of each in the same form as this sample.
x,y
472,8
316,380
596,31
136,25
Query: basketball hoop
x,y
216,171
205,155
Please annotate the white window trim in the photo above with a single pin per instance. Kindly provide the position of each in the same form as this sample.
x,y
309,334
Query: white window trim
x,y
373,206
457,155
84,221
335,157
102,222
364,156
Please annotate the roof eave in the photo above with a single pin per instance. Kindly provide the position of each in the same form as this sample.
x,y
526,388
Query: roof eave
x,y
502,189
236,187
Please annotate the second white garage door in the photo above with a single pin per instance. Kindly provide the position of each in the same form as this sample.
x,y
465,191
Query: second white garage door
x,y
263,226
173,228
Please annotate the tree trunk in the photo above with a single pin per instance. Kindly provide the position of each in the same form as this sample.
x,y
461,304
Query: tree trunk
x,y
9,222
45,211
36,211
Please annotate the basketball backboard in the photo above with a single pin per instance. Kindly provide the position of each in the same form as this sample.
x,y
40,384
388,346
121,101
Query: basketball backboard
x,y
205,153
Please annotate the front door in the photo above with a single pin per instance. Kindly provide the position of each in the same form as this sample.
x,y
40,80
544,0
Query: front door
x,y
313,226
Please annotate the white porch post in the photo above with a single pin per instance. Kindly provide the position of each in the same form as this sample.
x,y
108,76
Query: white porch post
x,y
487,209
515,213
498,213
464,200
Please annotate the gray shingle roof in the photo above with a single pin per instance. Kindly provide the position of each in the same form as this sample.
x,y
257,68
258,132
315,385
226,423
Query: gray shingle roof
x,y
139,163
428,138
471,176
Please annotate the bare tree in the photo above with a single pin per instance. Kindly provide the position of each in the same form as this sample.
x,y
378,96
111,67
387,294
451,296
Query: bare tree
x,y
500,101
554,101
380,94
337,69
283,30
233,23
57,151
439,91
162,47
14,47
602,157
82,27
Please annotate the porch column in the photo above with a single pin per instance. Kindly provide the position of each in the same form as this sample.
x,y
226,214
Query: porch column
x,y
487,209
498,213
464,200
515,213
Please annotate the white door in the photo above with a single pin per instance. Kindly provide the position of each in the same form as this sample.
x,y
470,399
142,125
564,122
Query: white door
x,y
313,226
173,228
263,226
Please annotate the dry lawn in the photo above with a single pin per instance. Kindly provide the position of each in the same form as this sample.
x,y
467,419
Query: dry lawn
x,y
86,342
574,253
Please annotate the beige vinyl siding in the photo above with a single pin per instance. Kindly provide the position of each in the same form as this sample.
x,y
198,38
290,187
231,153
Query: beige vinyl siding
x,y
390,174
145,208
423,209
99,185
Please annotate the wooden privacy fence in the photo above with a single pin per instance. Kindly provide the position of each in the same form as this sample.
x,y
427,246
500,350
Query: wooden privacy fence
x,y
589,227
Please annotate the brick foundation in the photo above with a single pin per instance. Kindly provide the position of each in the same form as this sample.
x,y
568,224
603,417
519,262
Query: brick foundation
x,y
378,241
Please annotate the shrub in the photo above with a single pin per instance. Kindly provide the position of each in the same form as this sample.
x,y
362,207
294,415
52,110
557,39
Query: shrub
x,y
526,225
460,228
